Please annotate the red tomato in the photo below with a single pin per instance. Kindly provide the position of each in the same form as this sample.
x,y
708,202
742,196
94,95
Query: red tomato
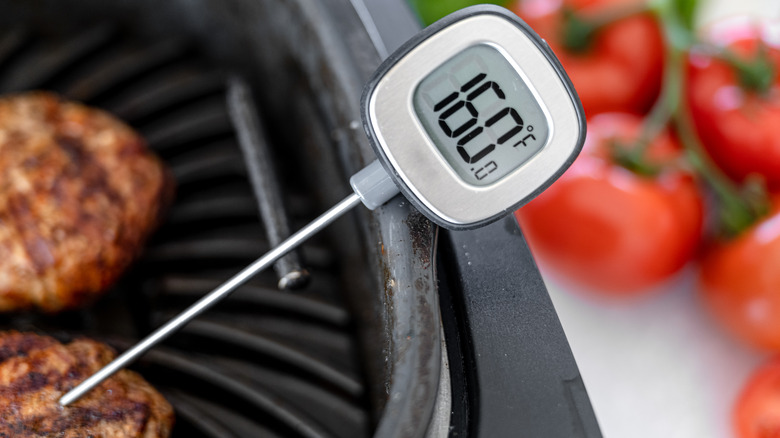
x,y
609,229
757,412
740,282
621,70
738,126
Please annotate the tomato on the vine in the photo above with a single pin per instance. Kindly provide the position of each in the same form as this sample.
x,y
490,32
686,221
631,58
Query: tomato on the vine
x,y
611,229
757,411
615,66
734,97
740,281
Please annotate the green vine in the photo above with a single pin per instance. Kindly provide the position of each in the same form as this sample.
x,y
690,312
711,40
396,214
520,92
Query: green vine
x,y
578,31
738,207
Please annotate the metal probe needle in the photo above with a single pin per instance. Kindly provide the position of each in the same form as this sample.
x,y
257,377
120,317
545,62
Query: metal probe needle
x,y
212,298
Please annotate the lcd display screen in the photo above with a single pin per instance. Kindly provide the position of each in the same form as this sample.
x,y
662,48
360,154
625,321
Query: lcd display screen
x,y
480,114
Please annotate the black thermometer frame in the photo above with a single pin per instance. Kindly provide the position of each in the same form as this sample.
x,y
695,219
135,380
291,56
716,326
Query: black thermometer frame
x,y
422,36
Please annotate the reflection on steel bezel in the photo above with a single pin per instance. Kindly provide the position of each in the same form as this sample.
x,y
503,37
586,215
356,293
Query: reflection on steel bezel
x,y
417,161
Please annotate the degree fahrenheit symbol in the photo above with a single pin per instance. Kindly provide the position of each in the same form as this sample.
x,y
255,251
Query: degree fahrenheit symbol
x,y
530,128
531,136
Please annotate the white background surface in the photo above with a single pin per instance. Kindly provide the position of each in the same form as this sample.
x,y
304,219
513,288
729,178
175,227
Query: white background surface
x,y
659,367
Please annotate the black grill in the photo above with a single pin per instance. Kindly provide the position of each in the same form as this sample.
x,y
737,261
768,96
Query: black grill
x,y
265,362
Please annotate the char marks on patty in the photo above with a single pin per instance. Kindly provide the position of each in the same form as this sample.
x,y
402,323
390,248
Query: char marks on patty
x,y
35,371
80,193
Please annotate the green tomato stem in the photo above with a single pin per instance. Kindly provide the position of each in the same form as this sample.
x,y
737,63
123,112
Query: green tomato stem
x,y
634,156
578,31
757,74
735,211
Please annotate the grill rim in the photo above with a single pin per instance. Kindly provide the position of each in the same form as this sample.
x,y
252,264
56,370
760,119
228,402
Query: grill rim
x,y
411,301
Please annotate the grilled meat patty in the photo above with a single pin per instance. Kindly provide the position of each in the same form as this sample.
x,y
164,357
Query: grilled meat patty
x,y
35,371
79,194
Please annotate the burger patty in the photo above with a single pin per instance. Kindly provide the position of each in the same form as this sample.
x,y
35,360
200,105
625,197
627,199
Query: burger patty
x,y
79,194
35,371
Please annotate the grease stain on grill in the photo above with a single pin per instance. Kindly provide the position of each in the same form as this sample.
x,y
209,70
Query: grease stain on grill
x,y
264,362
421,229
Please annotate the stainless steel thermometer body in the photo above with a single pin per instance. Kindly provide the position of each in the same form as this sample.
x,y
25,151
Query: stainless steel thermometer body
x,y
470,119
473,117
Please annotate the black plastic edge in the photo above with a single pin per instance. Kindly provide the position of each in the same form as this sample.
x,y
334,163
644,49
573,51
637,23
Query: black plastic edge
x,y
505,342
426,33
463,405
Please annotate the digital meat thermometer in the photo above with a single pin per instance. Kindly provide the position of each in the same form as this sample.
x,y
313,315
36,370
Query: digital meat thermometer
x,y
470,119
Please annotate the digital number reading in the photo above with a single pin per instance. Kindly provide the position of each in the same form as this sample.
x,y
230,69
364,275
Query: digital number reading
x,y
471,108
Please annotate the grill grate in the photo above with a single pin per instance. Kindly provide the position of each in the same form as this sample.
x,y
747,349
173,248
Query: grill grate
x,y
264,362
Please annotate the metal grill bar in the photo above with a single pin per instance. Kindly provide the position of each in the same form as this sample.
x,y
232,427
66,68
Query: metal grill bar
x,y
118,68
187,411
42,63
258,344
141,101
251,138
257,295
11,42
213,209
195,123
259,399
